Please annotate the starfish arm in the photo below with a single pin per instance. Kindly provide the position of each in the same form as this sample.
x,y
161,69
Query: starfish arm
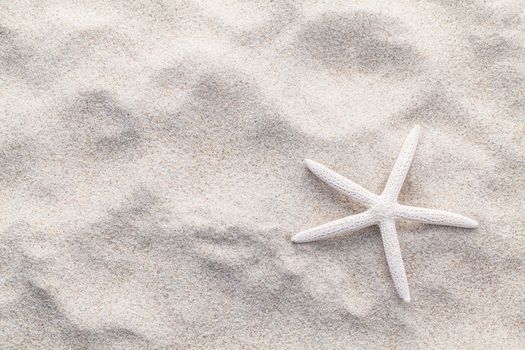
x,y
393,257
400,170
435,217
341,183
347,224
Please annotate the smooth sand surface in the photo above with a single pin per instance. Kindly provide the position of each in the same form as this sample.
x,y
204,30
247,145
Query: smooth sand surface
x,y
151,173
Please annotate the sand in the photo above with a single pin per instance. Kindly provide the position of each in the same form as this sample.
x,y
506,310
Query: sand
x,y
151,172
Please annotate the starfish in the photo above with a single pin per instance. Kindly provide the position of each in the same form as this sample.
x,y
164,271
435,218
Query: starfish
x,y
382,210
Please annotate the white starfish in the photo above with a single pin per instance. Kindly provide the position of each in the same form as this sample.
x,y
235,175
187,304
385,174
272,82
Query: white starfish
x,y
383,211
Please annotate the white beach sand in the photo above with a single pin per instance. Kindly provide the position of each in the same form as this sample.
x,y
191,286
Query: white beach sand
x,y
151,172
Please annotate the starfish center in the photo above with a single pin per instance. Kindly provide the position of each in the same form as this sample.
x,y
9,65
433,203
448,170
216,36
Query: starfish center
x,y
384,209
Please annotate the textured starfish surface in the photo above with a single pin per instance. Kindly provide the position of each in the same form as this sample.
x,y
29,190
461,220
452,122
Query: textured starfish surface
x,y
382,210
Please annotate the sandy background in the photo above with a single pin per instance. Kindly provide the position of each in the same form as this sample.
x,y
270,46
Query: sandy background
x,y
151,173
